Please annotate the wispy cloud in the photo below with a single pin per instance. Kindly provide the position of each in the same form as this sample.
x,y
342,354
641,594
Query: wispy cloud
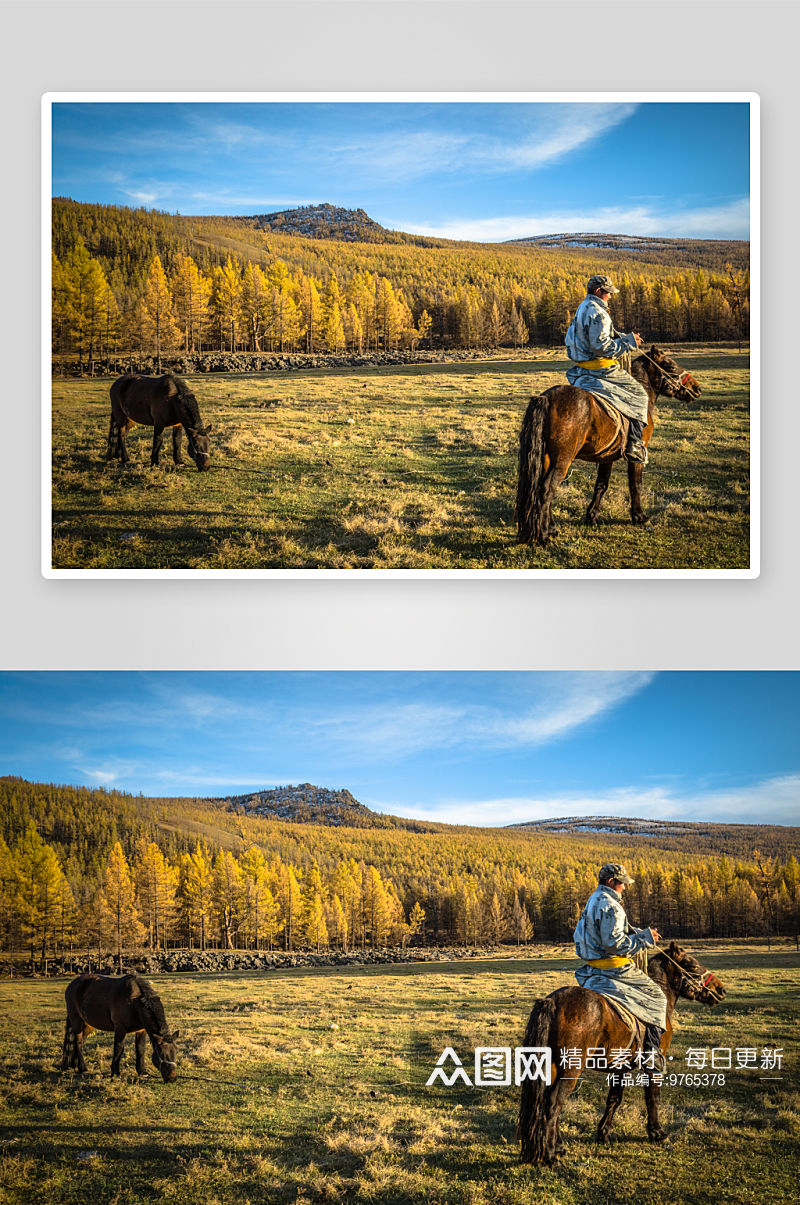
x,y
569,128
770,801
391,722
552,708
552,132
728,221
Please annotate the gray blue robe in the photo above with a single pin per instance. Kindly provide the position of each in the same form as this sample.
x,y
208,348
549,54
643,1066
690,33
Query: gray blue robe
x,y
603,932
591,336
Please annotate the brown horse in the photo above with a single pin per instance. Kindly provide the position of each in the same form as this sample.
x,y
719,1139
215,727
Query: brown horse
x,y
120,1006
565,424
157,402
575,1018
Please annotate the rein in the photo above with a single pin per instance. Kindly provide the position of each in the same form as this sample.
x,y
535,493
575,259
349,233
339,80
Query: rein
x,y
680,380
702,981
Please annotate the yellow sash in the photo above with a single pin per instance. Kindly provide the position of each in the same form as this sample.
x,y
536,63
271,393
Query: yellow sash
x,y
595,363
604,963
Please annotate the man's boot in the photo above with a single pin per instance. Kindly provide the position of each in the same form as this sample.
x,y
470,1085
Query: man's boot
x,y
635,449
652,1046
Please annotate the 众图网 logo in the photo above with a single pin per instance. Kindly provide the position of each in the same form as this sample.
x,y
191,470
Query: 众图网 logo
x,y
493,1067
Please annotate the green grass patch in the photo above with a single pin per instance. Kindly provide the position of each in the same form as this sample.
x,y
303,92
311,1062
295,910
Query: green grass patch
x,y
409,467
309,1085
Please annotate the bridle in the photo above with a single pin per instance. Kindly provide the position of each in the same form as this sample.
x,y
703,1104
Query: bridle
x,y
679,381
194,451
701,981
162,1062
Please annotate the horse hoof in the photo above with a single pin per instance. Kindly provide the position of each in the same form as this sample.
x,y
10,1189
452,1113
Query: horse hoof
x,y
640,520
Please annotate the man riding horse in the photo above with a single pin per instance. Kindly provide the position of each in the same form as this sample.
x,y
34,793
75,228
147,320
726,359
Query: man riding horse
x,y
593,345
605,941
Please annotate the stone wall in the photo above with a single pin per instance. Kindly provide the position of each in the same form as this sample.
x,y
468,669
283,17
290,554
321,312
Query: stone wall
x,y
176,961
255,362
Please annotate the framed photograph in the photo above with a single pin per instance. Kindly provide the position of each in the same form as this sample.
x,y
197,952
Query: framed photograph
x,y
400,334
378,935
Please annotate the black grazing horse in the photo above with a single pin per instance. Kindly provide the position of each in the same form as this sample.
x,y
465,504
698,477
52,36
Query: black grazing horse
x,y
565,424
577,1019
157,402
120,1006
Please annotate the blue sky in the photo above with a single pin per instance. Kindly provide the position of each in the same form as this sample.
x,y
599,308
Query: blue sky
x,y
474,748
483,171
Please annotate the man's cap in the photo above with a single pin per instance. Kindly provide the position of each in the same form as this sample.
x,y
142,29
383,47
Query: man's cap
x,y
614,870
601,282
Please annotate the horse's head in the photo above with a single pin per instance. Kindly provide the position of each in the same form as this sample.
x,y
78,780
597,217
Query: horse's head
x,y
165,1055
200,446
672,381
691,980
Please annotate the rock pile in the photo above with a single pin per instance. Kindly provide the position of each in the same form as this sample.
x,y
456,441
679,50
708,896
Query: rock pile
x,y
266,362
175,961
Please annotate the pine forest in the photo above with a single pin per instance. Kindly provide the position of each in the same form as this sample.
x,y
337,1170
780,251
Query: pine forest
x,y
96,870
132,283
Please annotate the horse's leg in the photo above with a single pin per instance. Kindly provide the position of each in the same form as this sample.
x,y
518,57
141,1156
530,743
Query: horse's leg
x,y
141,1047
652,1094
77,1058
177,436
556,1098
119,1046
113,439
158,435
67,1053
600,487
635,486
122,435
553,478
613,1102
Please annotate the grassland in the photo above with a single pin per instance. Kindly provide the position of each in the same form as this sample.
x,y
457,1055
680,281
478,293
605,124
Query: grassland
x,y
310,1086
401,468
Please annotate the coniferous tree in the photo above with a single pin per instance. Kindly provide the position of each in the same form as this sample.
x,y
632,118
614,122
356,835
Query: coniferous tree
x,y
197,894
160,332
119,897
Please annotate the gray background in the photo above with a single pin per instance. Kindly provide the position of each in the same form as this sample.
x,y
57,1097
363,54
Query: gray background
x,y
411,45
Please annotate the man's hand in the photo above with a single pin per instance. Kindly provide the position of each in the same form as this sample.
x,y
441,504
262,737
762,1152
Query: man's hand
x,y
638,338
656,935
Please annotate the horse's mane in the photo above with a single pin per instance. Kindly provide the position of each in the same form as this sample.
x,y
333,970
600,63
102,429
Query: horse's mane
x,y
657,970
151,1003
187,398
641,364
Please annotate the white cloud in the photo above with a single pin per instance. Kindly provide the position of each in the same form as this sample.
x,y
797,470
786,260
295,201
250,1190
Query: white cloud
x,y
771,801
553,706
574,127
107,773
728,221
557,130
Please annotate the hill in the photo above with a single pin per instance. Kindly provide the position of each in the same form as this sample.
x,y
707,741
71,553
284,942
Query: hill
x,y
307,804
323,221
703,838
708,253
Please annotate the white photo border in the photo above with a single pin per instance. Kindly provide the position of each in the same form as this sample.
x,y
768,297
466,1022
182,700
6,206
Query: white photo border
x,y
750,98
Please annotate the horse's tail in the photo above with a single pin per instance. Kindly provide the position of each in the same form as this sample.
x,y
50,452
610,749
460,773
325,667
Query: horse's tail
x,y
532,1127
117,393
528,510
66,1054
